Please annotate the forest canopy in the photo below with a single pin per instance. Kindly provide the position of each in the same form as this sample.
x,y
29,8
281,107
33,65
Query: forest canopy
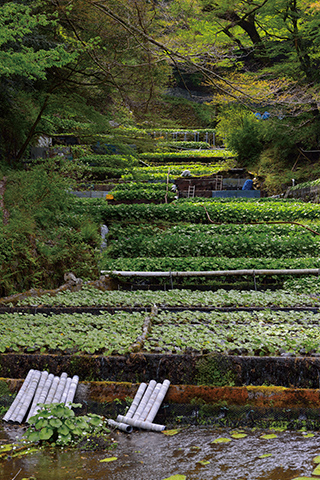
x,y
74,66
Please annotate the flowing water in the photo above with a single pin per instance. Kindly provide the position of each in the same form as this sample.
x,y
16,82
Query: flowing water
x,y
155,456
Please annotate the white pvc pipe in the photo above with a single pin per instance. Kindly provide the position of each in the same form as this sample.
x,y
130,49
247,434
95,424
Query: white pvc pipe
x,y
145,399
151,401
136,400
60,388
214,273
27,399
19,396
156,405
44,392
72,390
52,390
120,426
42,381
65,391
141,424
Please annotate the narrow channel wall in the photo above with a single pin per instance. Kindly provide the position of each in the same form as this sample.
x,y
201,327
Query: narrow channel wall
x,y
218,370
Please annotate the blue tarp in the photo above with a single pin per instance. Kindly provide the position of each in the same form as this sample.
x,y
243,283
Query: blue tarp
x,y
248,185
264,116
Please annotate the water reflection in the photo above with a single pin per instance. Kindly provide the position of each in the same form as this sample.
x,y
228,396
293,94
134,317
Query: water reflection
x,y
154,456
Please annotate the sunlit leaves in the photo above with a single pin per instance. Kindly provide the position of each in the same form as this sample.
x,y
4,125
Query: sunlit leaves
x,y
176,477
221,440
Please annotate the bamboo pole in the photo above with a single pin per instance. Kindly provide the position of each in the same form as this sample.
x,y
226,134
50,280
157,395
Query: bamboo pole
x,y
19,396
214,273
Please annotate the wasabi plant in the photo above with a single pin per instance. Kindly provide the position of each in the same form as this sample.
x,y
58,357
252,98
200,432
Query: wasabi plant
x,y
57,424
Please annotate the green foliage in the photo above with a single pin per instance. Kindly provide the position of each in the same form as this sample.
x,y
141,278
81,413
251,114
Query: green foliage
x,y
70,333
179,245
111,161
264,332
57,424
70,112
214,370
44,238
167,146
196,156
160,172
245,140
143,191
173,298
17,58
193,212
194,264
4,389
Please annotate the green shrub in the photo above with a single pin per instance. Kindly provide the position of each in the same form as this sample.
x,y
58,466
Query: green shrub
x,y
246,141
44,237
56,423
111,161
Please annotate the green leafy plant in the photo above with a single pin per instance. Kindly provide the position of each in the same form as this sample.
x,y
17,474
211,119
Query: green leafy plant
x,y
56,423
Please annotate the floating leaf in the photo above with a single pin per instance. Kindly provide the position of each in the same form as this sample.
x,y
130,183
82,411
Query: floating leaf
x,y
203,462
27,452
221,440
6,448
309,435
317,459
316,471
268,436
109,459
239,435
195,447
170,432
304,478
176,477
265,455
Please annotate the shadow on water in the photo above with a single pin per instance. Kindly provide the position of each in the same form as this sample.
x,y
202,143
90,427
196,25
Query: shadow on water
x,y
154,456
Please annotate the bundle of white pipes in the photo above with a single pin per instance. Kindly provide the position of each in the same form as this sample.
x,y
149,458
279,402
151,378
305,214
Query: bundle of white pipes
x,y
41,387
145,406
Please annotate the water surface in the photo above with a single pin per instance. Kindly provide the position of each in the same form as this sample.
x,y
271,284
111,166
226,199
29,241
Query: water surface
x,y
155,456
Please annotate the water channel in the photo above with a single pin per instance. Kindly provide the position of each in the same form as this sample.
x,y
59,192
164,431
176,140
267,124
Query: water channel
x,y
155,456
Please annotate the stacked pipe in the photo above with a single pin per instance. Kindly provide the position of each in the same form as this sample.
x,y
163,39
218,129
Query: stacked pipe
x,y
41,388
145,406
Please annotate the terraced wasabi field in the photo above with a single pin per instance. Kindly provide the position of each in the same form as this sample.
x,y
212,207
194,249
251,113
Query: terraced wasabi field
x,y
177,321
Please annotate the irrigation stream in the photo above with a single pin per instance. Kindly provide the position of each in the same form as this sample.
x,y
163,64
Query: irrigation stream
x,y
155,456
